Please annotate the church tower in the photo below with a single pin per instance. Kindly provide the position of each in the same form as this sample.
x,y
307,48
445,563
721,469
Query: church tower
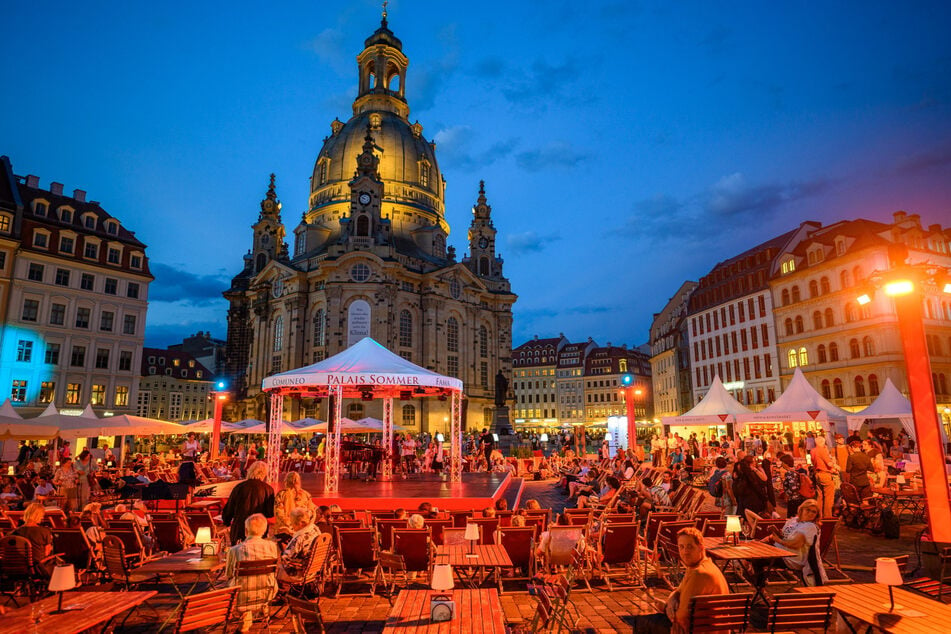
x,y
365,225
268,231
482,260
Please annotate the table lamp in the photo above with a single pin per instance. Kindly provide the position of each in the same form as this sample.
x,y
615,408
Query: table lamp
x,y
900,479
733,526
11,470
441,606
888,573
472,536
203,539
62,579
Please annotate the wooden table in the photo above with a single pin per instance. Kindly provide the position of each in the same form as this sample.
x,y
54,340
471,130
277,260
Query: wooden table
x,y
902,500
723,550
868,603
477,611
86,610
486,556
187,563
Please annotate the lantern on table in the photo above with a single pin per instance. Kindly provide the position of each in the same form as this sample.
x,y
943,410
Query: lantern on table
x,y
888,573
203,538
62,579
441,605
733,526
472,536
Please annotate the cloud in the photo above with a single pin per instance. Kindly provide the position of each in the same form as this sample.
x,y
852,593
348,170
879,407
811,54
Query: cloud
x,y
176,285
163,335
428,80
456,143
543,82
935,157
555,154
330,47
529,242
732,196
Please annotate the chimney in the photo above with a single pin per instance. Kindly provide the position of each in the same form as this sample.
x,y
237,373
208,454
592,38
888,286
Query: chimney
x,y
934,229
56,189
899,216
79,195
915,218
32,181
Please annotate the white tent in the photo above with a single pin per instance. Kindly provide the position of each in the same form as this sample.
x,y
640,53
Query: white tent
x,y
717,407
889,405
377,424
13,427
799,402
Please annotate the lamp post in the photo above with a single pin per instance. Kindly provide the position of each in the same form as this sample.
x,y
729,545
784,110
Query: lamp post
x,y
630,392
904,284
220,395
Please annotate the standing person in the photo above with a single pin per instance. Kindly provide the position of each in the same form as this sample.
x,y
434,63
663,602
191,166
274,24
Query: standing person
x,y
720,486
67,479
749,486
791,484
408,453
292,496
671,444
86,469
657,450
857,468
252,496
487,442
191,449
822,463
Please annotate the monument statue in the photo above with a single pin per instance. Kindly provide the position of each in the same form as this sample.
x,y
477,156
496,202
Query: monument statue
x,y
501,389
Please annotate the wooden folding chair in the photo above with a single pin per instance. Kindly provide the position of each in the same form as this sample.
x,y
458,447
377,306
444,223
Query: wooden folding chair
x,y
617,553
257,568
415,546
305,612
356,552
797,611
519,543
207,610
487,527
718,612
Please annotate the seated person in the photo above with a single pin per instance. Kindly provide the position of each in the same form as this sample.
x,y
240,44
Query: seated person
x,y
40,537
255,592
142,477
799,535
416,521
488,511
138,514
295,554
608,491
9,494
426,509
584,485
43,489
701,577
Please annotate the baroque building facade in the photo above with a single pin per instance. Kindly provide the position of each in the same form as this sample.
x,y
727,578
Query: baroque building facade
x,y
370,258
670,355
174,386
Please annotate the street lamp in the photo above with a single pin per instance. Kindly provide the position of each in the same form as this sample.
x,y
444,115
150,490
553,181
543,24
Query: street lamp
x,y
220,394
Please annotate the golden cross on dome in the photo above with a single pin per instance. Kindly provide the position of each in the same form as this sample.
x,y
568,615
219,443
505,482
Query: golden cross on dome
x,y
385,2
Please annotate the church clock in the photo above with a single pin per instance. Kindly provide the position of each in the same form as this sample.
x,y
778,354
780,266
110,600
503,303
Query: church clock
x,y
483,242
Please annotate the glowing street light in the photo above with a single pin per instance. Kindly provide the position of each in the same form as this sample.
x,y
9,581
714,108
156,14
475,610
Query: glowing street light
x,y
220,394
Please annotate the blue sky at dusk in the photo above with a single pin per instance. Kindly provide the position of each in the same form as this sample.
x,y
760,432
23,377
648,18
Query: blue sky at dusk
x,y
626,147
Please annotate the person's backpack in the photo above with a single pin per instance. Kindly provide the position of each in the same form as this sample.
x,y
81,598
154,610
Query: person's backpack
x,y
715,484
806,487
891,526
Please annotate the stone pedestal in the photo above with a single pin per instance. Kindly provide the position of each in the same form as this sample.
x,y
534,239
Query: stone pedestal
x,y
503,428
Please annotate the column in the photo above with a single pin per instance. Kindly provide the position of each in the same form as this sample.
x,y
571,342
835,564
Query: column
x,y
387,438
332,442
274,438
455,456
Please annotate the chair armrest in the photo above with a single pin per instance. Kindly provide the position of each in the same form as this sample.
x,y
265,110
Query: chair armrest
x,y
51,557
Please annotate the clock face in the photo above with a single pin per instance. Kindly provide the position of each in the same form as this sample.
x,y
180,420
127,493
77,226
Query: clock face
x,y
277,288
483,242
364,199
441,612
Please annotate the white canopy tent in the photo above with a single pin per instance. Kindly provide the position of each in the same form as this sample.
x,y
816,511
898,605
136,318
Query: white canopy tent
x,y
717,407
890,404
13,427
365,370
799,402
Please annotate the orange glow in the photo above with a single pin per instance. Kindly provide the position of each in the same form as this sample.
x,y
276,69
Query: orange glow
x,y
222,397
638,392
947,287
899,287
863,299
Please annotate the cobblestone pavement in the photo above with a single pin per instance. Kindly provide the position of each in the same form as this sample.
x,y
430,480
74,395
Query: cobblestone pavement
x,y
600,610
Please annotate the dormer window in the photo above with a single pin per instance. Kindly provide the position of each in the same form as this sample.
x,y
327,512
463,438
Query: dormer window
x,y
112,227
66,244
66,214
5,223
135,260
89,221
41,239
91,251
840,246
40,208
114,256
789,266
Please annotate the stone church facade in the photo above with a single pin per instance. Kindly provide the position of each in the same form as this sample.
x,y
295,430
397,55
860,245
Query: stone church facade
x,y
370,258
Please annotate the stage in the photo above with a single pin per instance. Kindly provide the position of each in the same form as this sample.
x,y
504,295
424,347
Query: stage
x,y
476,491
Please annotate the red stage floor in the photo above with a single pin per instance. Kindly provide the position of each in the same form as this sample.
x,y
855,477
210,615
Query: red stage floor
x,y
476,491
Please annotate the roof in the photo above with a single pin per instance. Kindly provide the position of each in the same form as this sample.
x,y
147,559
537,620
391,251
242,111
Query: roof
x,y
9,194
155,362
799,401
890,403
717,407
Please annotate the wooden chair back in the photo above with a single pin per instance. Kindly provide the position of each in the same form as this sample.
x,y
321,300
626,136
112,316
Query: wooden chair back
x,y
714,528
540,516
55,517
618,543
317,561
384,529
305,612
73,547
356,548
562,540
519,543
168,535
654,520
198,519
487,527
762,526
256,567
413,544
797,611
131,539
17,558
114,559
437,526
460,518
719,612
618,518
206,610
454,537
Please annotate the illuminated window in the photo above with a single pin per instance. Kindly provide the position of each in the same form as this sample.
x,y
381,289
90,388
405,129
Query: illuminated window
x,y
803,357
73,393
792,358
47,390
5,223
98,396
122,396
18,391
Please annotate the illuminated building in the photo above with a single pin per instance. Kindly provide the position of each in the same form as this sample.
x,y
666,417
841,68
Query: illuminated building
x,y
569,381
173,386
370,258
670,355
534,383
602,383
845,349
74,295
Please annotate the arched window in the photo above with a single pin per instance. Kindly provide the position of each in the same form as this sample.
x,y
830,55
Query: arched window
x,y
844,280
821,353
799,326
850,312
406,329
484,266
859,387
837,388
483,342
259,262
803,357
487,416
363,226
854,352
789,326
792,357
817,320
824,287
355,411
868,347
409,416
872,385
319,327
830,319
278,334
452,335
857,275
826,389
813,288
795,294
785,297
833,351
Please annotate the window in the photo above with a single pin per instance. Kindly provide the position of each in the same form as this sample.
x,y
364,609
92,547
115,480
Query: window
x,y
792,357
406,329
452,366
854,349
128,325
817,320
31,309
833,351
4,223
144,400
859,386
408,415
62,277
872,385
821,352
47,390
844,281
785,297
111,287
106,320
484,375
89,221
18,391
278,334
66,215
112,228
355,411
868,347
113,256
122,396
824,285
135,261
826,389
125,360
40,240
35,273
91,251
813,288
132,290
795,294
788,325
24,350
830,319
452,335
803,357
275,365
52,353
837,388
3,260
319,327
799,324
86,281
360,272
66,245
82,317
175,405
98,396
78,356
102,358
73,393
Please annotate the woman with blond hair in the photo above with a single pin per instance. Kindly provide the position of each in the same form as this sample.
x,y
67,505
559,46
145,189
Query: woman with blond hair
x,y
800,535
292,496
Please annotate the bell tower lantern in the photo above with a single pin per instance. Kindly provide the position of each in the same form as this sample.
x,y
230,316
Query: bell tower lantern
x,y
382,67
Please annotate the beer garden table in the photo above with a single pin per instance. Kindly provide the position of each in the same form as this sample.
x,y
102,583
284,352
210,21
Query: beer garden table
x,y
868,603
722,550
478,611
483,556
85,611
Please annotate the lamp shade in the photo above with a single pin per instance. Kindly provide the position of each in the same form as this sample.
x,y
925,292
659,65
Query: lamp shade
x,y
203,536
63,578
472,532
733,524
11,470
899,479
887,572
544,438
442,577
